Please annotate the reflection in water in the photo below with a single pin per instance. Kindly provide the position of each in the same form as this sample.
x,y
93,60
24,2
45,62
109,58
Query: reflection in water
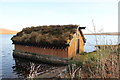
x,y
28,69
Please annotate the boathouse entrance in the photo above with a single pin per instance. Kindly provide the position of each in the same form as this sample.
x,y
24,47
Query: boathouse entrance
x,y
77,46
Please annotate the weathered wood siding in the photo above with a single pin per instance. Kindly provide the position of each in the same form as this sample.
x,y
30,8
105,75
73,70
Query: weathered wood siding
x,y
81,48
46,51
72,48
73,45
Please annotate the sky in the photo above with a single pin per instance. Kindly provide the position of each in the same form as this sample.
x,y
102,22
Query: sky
x,y
18,14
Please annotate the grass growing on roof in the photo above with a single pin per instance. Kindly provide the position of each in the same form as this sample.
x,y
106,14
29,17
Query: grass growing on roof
x,y
46,36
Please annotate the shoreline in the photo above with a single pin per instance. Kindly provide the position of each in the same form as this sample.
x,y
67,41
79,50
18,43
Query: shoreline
x,y
116,33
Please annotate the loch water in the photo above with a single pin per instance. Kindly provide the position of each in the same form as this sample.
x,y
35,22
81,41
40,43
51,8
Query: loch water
x,y
11,67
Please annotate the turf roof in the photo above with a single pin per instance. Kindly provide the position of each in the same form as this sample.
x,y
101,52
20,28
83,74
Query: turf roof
x,y
57,36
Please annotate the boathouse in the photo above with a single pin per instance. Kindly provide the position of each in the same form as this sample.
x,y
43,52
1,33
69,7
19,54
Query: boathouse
x,y
60,41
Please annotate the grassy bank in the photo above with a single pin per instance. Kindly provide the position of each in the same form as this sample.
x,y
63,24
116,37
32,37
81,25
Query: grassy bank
x,y
91,55
104,63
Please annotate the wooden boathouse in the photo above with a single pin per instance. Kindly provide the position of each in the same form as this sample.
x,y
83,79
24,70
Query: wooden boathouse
x,y
55,41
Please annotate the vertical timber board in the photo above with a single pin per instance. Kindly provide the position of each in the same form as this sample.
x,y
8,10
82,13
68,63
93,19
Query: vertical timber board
x,y
72,48
45,51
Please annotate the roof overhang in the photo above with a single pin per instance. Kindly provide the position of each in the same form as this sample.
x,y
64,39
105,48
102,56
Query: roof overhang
x,y
79,29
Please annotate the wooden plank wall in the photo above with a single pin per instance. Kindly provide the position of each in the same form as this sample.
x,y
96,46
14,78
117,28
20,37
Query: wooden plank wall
x,y
72,48
73,45
81,48
46,51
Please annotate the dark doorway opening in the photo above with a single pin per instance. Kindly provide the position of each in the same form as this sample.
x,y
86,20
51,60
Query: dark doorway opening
x,y
77,46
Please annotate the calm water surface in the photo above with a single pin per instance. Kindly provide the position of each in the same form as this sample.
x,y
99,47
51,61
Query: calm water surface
x,y
92,40
17,68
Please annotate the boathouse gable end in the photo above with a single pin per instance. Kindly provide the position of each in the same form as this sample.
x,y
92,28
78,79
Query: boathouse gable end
x,y
62,41
76,44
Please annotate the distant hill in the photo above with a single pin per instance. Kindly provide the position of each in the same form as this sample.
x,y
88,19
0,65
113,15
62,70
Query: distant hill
x,y
6,31
109,33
